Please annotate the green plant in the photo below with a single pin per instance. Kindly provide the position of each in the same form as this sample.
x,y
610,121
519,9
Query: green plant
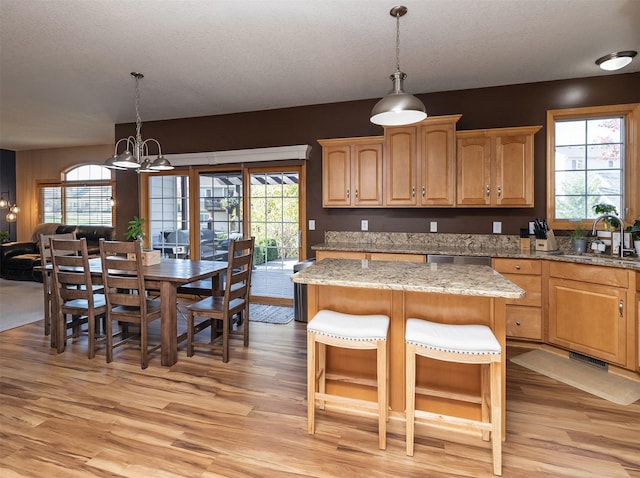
x,y
265,250
634,230
135,229
578,233
610,223
4,237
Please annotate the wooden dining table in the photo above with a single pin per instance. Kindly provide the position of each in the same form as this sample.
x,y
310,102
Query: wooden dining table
x,y
165,277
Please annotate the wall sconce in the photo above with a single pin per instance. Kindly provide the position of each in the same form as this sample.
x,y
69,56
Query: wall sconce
x,y
12,215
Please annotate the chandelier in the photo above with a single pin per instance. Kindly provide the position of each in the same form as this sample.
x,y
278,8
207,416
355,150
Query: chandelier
x,y
398,108
136,153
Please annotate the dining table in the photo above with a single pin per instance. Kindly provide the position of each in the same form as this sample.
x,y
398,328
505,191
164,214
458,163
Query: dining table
x,y
165,277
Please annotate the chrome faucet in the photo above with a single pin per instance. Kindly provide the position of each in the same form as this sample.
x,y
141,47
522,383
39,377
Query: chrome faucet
x,y
621,224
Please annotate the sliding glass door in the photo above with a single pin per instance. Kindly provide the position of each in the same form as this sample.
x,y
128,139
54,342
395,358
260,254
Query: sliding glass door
x,y
274,220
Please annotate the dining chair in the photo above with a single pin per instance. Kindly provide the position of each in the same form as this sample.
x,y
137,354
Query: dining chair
x,y
75,294
45,258
218,311
126,293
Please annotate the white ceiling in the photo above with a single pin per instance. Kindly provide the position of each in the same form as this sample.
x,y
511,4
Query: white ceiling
x,y
65,64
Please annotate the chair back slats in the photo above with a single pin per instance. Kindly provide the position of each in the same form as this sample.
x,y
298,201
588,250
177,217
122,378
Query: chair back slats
x,y
238,279
71,274
122,277
45,258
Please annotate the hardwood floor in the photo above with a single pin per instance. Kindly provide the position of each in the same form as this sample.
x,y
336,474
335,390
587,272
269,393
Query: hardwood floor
x,y
67,416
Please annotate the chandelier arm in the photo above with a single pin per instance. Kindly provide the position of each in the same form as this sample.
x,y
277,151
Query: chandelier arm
x,y
157,144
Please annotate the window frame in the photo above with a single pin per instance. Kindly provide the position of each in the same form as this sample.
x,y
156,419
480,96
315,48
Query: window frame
x,y
631,188
64,183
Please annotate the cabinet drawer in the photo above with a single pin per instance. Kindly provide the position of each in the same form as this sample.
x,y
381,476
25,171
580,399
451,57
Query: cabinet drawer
x,y
517,266
532,286
524,322
339,255
398,257
586,273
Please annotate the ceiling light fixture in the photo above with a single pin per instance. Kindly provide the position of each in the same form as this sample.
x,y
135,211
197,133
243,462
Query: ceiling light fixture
x,y
135,155
616,61
398,108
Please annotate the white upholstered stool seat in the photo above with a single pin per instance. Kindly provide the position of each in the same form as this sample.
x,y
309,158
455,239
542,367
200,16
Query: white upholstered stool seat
x,y
337,329
470,344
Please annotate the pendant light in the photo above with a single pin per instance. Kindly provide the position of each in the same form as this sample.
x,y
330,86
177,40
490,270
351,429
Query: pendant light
x,y
136,153
398,108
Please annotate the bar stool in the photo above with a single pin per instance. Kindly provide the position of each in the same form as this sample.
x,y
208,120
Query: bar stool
x,y
348,331
471,344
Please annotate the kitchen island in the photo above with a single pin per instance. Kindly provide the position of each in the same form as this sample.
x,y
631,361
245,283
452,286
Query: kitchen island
x,y
447,293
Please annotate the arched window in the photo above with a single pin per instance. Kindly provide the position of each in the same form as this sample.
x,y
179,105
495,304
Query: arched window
x,y
84,196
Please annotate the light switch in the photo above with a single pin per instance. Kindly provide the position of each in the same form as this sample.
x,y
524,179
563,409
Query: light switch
x,y
312,224
497,227
364,225
433,226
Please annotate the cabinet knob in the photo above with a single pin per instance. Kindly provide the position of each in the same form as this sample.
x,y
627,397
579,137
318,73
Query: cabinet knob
x,y
356,194
348,194
518,323
499,191
424,191
488,191
517,267
413,191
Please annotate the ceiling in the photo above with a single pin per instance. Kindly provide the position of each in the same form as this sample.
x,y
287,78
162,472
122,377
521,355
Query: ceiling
x,y
65,64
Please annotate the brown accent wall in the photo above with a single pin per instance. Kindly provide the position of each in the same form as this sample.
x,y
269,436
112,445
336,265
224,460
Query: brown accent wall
x,y
512,105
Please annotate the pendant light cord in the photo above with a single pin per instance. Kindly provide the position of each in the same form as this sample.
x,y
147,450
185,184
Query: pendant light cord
x,y
397,41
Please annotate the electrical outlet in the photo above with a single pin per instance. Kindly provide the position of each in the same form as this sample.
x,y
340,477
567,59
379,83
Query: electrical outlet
x,y
433,226
364,225
312,224
497,227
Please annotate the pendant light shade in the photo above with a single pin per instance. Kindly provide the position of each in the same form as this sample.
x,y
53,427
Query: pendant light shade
x,y
398,108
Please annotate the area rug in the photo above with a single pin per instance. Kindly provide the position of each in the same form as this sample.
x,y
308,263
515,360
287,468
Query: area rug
x,y
272,314
585,377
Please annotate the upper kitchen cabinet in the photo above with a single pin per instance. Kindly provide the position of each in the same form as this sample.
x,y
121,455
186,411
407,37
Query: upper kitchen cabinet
x,y
495,167
420,163
352,172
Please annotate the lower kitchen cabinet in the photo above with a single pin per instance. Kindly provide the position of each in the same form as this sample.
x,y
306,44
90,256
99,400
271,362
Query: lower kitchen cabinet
x,y
524,316
588,312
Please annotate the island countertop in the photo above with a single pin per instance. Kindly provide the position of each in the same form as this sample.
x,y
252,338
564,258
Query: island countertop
x,y
470,280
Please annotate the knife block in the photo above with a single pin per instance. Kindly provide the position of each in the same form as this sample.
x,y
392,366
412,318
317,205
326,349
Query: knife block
x,y
548,244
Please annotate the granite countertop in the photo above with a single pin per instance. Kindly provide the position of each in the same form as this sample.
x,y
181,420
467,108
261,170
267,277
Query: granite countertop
x,y
464,245
410,276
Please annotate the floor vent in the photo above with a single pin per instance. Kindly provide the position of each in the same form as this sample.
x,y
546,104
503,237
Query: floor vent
x,y
589,360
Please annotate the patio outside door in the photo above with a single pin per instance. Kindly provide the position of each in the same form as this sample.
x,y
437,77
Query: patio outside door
x,y
274,220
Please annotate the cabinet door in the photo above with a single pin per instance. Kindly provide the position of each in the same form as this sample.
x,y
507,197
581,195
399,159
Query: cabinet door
x,y
588,318
474,170
401,166
513,185
437,164
366,188
336,175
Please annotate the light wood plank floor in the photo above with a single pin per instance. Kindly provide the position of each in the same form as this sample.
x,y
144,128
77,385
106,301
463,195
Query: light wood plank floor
x,y
67,416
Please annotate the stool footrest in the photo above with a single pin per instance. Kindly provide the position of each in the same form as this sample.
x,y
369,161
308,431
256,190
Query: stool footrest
x,y
369,382
460,397
463,423
356,402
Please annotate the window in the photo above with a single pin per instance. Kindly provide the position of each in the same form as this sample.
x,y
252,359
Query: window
x,y
169,215
591,159
83,197
220,212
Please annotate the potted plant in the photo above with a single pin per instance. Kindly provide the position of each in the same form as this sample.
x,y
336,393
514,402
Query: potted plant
x,y
579,239
610,223
635,235
135,229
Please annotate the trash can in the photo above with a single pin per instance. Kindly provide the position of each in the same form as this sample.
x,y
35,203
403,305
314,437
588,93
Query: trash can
x,y
300,293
